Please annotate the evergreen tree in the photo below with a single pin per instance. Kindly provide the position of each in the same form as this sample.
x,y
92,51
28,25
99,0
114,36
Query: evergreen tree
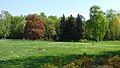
x,y
67,28
79,28
70,29
62,28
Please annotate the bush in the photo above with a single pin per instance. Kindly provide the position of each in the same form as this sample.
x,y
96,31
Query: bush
x,y
81,63
115,61
48,65
85,61
82,40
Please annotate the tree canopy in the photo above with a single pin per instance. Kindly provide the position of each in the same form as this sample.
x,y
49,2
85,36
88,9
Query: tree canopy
x,y
100,26
98,23
34,27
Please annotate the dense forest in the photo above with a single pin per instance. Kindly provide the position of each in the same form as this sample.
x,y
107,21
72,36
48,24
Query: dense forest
x,y
100,26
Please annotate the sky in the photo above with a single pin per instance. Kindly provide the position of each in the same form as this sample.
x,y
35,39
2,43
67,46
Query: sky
x,y
56,7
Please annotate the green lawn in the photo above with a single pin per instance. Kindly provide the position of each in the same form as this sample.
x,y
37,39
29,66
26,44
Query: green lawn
x,y
25,53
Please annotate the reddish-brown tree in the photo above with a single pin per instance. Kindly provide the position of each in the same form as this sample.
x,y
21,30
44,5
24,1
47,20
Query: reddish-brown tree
x,y
34,27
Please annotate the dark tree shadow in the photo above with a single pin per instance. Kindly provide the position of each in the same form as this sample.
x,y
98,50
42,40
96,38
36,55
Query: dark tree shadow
x,y
36,62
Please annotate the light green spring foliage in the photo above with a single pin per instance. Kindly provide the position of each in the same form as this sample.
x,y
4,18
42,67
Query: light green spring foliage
x,y
110,15
17,27
52,26
115,28
5,23
1,27
98,23
50,29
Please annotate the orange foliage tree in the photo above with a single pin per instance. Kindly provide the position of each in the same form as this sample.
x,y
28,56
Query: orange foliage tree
x,y
34,27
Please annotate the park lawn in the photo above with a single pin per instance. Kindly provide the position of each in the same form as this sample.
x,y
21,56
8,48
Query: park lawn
x,y
29,54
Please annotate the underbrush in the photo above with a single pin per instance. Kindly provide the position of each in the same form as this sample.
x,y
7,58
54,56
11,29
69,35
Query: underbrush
x,y
106,60
86,61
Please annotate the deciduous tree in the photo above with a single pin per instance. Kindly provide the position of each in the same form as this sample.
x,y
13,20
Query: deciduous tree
x,y
110,14
34,27
5,23
50,28
115,28
17,27
99,23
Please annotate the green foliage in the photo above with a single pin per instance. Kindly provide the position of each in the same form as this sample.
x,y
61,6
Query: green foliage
x,y
79,27
88,31
43,16
17,27
100,26
5,23
71,29
50,27
48,65
93,10
62,27
110,14
1,28
115,28
98,23
82,40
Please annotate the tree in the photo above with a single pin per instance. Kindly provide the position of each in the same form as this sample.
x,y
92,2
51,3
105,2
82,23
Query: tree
x,y
115,28
62,28
5,18
34,27
56,22
50,29
57,26
17,27
1,28
70,33
88,30
71,28
43,16
93,10
99,23
79,27
51,26
110,14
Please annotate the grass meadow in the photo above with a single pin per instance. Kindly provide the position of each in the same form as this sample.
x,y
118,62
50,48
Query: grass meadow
x,y
33,54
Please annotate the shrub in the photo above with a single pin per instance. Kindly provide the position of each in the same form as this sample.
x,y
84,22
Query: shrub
x,y
115,61
81,63
48,65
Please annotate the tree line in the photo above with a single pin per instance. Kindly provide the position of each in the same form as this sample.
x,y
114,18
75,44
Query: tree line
x,y
100,26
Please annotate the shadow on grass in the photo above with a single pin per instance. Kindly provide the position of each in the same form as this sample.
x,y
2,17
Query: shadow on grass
x,y
36,62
